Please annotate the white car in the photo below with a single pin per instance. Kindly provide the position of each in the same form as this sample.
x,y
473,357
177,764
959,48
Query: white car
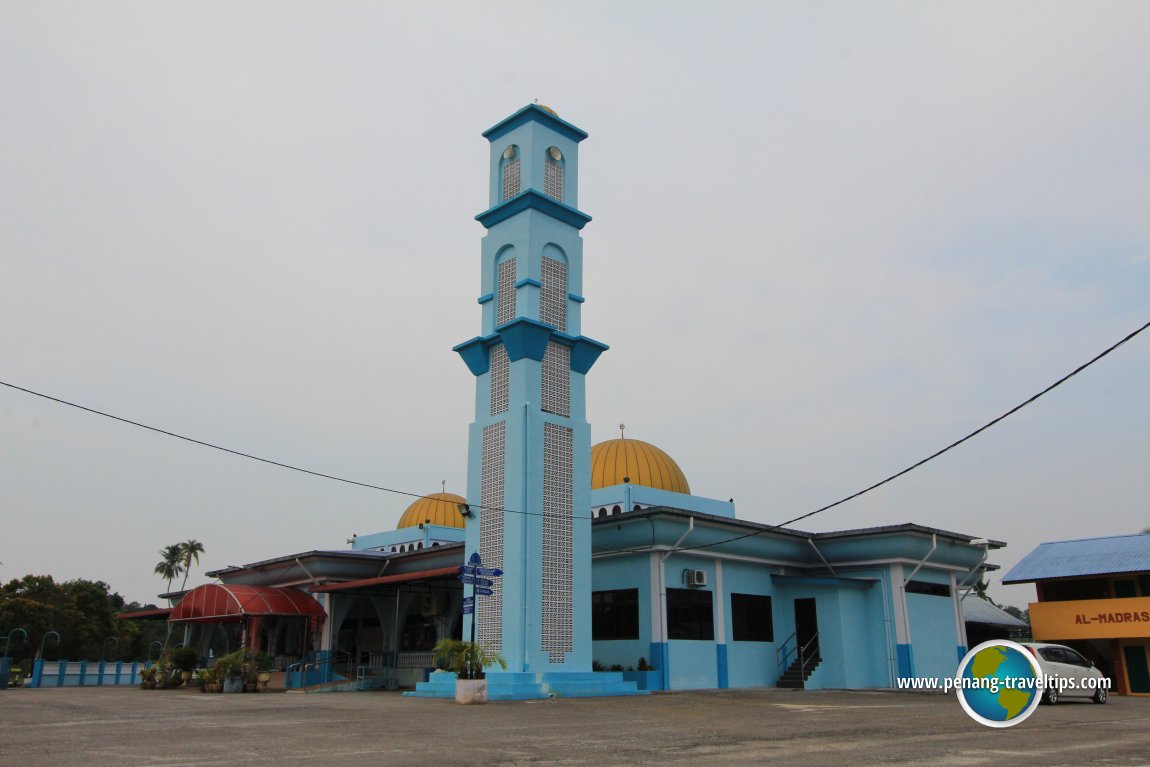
x,y
1074,675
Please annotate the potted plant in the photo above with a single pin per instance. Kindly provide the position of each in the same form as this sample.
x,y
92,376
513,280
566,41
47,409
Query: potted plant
x,y
230,670
263,670
468,661
212,680
148,678
184,660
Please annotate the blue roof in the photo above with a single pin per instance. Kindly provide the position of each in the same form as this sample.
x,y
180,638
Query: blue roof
x,y
1087,556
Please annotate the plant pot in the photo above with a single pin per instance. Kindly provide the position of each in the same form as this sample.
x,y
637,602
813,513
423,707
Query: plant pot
x,y
470,691
234,684
185,675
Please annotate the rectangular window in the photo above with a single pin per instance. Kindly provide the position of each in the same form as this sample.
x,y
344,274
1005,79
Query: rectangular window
x,y
930,589
615,614
690,614
751,619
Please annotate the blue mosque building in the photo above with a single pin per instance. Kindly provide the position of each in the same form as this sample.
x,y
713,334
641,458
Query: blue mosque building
x,y
617,579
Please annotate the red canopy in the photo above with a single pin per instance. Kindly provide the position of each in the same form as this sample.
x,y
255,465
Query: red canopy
x,y
219,603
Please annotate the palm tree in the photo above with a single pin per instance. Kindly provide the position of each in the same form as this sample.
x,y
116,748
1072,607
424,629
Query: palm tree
x,y
171,564
189,550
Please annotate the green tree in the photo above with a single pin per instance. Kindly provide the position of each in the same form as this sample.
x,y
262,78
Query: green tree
x,y
171,563
190,549
82,611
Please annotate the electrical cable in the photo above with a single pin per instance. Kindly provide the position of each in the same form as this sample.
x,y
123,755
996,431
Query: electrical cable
x,y
768,529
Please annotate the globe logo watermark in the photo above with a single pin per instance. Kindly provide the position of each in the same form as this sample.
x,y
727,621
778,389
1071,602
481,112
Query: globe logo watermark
x,y
999,683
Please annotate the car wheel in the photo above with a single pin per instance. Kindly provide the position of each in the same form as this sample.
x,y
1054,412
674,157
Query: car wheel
x,y
1051,695
1100,695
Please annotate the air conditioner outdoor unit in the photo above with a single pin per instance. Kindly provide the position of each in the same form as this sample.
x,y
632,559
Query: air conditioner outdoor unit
x,y
696,578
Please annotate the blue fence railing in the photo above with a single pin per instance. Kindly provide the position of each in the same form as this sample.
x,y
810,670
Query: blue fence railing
x,y
83,673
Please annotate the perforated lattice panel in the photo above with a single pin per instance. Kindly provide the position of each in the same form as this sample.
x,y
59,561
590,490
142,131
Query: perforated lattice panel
x,y
557,546
489,625
553,295
499,380
556,395
505,292
553,179
510,178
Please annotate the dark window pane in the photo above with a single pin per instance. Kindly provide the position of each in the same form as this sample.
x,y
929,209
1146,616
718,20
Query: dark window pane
x,y
930,589
690,614
751,619
615,614
1125,589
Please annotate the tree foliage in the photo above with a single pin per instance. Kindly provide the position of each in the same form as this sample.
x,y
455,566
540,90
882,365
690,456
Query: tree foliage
x,y
171,563
84,614
189,550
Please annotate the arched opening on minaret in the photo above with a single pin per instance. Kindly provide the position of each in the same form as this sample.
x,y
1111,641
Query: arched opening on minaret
x,y
509,172
553,174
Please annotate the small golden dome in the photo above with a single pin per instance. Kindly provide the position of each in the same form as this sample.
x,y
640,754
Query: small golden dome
x,y
439,508
547,109
631,461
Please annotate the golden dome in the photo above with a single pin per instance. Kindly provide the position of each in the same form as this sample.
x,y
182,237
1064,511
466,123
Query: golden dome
x,y
439,508
547,109
621,461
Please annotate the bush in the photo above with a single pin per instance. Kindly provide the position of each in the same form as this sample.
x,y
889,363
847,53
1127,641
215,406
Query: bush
x,y
465,657
184,658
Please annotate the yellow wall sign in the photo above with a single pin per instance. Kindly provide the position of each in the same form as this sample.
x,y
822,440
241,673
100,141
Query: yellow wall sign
x,y
1090,619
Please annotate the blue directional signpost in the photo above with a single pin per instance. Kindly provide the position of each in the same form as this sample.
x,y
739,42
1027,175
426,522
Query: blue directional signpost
x,y
479,577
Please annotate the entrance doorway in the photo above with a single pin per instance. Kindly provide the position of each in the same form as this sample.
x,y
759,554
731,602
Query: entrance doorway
x,y
807,628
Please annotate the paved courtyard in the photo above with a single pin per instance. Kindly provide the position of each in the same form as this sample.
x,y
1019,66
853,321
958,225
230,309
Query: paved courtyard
x,y
127,727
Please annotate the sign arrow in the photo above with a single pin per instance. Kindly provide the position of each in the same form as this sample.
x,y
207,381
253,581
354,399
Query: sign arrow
x,y
467,609
483,592
476,580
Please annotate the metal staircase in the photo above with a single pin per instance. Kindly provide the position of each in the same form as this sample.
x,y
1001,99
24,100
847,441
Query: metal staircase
x,y
806,659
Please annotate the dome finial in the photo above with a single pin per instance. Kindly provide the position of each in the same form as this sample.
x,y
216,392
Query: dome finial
x,y
622,426
443,485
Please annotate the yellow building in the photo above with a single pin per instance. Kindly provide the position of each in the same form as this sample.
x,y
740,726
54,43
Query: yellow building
x,y
1094,594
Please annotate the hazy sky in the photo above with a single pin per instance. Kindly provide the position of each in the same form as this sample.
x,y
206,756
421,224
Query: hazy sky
x,y
828,239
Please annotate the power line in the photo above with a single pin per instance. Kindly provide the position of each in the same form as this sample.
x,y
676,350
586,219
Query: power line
x,y
913,466
371,486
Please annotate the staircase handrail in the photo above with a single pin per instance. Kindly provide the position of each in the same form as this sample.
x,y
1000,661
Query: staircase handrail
x,y
782,654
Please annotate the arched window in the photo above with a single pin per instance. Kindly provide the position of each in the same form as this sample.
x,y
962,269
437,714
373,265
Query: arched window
x,y
553,294
553,174
509,172
505,309
616,510
637,507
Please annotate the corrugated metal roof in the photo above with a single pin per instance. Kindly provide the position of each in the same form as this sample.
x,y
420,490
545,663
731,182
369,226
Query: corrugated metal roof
x,y
1087,556
977,610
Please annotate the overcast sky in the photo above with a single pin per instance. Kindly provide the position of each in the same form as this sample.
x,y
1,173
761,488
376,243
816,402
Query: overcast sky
x,y
828,239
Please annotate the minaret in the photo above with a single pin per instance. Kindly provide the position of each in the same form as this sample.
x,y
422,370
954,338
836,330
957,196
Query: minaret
x,y
529,480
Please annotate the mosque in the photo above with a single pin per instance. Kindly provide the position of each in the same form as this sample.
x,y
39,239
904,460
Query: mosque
x,y
617,579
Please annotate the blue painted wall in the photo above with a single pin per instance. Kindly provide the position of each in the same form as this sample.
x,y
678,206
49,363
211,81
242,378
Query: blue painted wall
x,y
932,634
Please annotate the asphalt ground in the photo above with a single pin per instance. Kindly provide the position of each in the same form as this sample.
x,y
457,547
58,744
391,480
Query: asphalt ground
x,y
128,727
